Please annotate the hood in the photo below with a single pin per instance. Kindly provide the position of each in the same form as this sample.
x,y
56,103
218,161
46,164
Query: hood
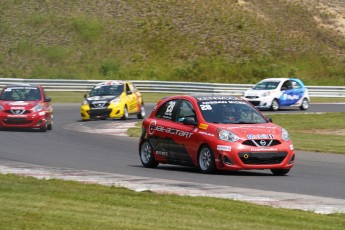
x,y
18,105
102,98
254,92
253,131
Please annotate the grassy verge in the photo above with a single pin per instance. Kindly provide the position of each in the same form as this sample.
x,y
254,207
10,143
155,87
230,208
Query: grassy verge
x,y
327,99
315,132
77,97
29,203
193,40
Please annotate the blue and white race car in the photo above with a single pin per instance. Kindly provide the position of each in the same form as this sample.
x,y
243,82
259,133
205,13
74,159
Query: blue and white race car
x,y
273,93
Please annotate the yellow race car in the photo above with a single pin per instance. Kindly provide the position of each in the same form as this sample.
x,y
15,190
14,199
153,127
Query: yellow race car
x,y
112,99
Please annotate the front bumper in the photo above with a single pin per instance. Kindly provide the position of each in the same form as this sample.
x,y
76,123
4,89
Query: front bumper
x,y
247,158
32,120
112,111
261,103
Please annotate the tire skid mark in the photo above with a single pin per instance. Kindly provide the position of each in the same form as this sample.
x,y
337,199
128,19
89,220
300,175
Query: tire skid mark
x,y
116,128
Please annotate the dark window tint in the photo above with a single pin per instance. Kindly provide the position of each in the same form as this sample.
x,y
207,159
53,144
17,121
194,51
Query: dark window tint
x,y
186,110
266,85
21,93
104,90
296,85
166,110
230,112
287,85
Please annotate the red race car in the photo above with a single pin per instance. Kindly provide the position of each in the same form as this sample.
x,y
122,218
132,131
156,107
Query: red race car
x,y
25,106
214,133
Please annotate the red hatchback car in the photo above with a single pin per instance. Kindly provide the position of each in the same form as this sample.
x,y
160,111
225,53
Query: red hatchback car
x,y
25,106
214,133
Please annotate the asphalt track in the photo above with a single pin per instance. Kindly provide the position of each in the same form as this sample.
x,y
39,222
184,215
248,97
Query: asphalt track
x,y
98,151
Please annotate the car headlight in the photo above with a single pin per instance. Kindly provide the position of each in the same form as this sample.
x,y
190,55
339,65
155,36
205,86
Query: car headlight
x,y
1,108
85,102
285,135
37,108
266,94
226,135
115,101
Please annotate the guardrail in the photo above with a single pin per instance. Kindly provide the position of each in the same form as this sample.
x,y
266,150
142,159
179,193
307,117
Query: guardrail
x,y
167,87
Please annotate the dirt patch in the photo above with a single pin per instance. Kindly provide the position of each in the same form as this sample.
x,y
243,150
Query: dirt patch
x,y
333,12
339,132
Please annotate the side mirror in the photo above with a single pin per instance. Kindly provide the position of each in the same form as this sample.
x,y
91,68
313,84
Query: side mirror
x,y
270,119
47,99
190,121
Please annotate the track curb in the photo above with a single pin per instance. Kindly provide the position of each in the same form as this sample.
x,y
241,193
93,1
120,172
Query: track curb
x,y
320,205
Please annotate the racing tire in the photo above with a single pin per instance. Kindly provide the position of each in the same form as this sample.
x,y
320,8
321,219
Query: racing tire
x,y
305,104
125,113
141,113
275,105
50,126
146,155
44,128
280,172
206,160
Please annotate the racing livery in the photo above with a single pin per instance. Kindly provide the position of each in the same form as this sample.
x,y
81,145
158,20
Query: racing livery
x,y
273,93
210,132
25,106
112,99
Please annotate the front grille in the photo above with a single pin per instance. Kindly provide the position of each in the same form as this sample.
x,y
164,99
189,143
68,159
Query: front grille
x,y
99,105
16,121
255,103
262,158
17,111
99,112
262,142
252,97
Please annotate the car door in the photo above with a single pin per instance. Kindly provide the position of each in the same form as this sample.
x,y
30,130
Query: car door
x,y
131,99
47,105
187,145
298,90
173,134
160,130
289,95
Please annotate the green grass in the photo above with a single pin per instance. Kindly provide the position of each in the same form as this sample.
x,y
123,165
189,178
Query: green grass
x,y
29,203
66,97
192,40
314,132
327,100
77,97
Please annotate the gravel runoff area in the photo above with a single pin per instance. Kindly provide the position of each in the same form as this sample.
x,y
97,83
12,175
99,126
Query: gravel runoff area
x,y
321,205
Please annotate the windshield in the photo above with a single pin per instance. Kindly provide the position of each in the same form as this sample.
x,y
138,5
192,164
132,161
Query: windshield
x,y
230,112
266,85
104,90
21,93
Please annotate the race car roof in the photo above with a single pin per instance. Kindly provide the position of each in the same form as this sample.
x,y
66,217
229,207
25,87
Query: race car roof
x,y
211,98
20,85
275,79
115,82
